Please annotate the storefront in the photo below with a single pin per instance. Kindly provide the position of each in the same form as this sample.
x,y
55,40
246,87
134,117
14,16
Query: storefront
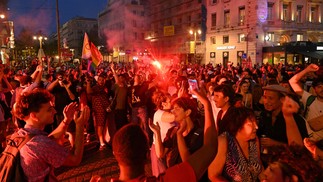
x,y
294,53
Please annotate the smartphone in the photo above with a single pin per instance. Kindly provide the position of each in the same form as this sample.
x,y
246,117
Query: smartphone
x,y
193,86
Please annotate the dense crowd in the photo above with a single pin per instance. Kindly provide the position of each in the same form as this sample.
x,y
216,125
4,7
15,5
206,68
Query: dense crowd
x,y
196,122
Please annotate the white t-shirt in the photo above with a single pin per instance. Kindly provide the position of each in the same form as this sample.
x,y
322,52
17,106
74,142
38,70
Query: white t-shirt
x,y
314,110
164,126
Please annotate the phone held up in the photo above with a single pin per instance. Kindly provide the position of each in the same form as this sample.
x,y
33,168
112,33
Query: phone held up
x,y
193,86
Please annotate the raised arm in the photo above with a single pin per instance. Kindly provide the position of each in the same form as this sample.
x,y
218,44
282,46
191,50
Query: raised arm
x,y
293,134
216,167
294,81
115,74
182,148
159,147
201,159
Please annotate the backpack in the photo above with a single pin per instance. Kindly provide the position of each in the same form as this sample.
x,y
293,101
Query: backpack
x,y
10,168
309,101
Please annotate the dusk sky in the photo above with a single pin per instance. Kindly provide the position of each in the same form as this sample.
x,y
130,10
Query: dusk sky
x,y
41,14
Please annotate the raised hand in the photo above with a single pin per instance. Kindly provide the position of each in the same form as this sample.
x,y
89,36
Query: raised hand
x,y
69,111
182,128
289,106
312,68
154,127
83,117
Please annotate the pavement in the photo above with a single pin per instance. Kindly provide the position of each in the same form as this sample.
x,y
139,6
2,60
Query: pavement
x,y
94,162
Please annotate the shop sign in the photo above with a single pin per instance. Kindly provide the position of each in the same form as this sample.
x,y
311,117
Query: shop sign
x,y
226,47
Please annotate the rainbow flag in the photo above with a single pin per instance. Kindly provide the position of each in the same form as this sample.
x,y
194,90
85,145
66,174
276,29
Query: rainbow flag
x,y
95,55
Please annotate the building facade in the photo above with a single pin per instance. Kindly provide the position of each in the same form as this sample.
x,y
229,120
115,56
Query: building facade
x,y
123,25
72,34
238,31
177,30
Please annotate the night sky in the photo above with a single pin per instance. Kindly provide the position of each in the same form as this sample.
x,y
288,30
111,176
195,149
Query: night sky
x,y
41,14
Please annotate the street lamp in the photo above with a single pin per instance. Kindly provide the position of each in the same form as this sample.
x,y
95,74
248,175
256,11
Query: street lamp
x,y
41,53
195,32
2,16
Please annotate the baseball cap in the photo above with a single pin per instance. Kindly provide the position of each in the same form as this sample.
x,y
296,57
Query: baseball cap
x,y
277,88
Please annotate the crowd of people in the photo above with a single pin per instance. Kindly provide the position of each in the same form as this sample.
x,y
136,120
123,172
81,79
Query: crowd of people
x,y
196,122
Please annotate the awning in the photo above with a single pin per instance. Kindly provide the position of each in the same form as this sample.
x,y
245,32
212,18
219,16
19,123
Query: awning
x,y
314,54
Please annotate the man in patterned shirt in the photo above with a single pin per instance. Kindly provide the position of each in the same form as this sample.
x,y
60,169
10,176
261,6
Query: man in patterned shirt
x,y
42,153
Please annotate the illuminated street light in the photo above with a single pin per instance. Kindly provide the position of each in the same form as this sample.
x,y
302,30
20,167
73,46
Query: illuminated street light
x,y
41,39
195,32
2,16
41,53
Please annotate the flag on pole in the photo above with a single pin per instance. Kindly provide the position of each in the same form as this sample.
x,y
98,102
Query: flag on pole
x,y
86,51
96,55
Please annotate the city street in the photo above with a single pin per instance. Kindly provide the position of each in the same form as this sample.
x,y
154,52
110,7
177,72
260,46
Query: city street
x,y
95,162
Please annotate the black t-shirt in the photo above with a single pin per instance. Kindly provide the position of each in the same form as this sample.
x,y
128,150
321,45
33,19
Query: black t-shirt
x,y
139,95
193,141
277,131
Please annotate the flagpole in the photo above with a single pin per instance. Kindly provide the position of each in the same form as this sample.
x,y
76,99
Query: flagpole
x,y
58,35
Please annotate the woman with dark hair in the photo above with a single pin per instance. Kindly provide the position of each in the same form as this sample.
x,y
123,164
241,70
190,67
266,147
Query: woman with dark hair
x,y
165,120
100,102
238,157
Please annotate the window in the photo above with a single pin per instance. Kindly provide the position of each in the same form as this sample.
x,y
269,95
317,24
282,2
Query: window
x,y
189,18
299,14
225,39
213,20
226,18
213,2
134,23
313,14
270,11
242,15
241,37
213,40
135,36
179,20
286,12
300,37
270,37
135,2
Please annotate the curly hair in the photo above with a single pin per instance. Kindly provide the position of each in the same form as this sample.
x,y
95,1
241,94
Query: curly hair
x,y
296,160
159,98
31,102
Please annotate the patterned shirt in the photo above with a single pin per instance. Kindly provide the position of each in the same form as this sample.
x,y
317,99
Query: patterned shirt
x,y
40,155
237,167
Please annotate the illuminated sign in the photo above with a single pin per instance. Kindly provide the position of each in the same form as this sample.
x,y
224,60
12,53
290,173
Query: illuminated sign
x,y
169,30
262,10
225,47
319,48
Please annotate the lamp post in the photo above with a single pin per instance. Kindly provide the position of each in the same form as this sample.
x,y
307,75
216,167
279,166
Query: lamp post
x,y
41,53
195,32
